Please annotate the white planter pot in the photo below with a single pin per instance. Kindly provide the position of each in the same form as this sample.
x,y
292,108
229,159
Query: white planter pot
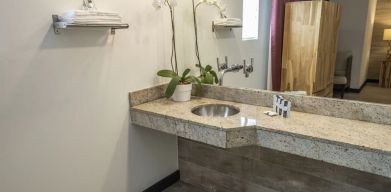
x,y
182,93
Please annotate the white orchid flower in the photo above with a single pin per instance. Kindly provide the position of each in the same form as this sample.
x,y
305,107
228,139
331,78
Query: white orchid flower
x,y
160,3
209,2
172,3
215,3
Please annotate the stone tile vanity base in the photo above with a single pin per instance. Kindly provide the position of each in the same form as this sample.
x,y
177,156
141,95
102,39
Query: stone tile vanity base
x,y
258,169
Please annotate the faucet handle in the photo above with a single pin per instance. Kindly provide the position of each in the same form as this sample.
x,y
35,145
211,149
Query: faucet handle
x,y
222,66
244,66
248,69
218,63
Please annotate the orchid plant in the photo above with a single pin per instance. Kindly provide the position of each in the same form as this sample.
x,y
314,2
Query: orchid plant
x,y
176,79
208,75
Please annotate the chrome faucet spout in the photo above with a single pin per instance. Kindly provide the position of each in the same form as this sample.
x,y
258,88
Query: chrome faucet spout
x,y
221,77
233,68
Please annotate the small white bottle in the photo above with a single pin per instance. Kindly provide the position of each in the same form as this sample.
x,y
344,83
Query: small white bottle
x,y
286,109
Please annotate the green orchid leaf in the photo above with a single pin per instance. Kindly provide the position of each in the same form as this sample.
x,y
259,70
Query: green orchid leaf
x,y
185,73
202,69
167,73
188,79
203,80
208,79
215,76
172,86
208,68
191,79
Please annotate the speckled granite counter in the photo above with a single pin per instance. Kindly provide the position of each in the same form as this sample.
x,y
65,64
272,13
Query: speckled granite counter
x,y
355,144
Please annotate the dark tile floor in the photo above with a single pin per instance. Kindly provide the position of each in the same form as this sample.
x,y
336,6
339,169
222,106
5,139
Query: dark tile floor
x,y
183,187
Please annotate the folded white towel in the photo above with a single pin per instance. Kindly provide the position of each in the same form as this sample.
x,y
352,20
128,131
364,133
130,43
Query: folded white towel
x,y
92,22
228,22
90,17
83,13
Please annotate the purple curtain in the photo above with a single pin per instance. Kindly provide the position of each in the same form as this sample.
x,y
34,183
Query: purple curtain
x,y
277,31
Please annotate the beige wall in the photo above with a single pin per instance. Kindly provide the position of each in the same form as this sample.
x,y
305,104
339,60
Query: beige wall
x,y
368,38
354,35
379,47
64,118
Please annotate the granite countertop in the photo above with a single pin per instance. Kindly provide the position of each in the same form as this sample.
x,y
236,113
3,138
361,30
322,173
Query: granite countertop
x,y
351,143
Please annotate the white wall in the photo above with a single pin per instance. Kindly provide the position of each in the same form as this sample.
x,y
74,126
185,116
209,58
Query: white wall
x,y
368,40
226,43
355,35
64,118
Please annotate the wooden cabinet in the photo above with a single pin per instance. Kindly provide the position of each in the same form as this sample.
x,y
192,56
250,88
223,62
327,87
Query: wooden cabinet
x,y
310,47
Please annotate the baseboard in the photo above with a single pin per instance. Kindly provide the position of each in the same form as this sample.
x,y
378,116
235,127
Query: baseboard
x,y
164,183
372,80
351,90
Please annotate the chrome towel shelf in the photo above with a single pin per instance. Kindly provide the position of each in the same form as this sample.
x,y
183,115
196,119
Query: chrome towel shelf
x,y
58,26
230,27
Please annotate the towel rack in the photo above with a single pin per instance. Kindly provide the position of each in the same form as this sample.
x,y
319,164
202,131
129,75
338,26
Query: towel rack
x,y
58,26
218,26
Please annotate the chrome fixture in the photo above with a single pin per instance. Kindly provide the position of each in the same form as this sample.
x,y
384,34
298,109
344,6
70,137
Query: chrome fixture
x,y
223,68
58,25
248,68
215,110
89,5
223,27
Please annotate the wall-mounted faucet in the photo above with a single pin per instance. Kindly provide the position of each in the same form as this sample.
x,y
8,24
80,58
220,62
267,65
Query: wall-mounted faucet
x,y
225,68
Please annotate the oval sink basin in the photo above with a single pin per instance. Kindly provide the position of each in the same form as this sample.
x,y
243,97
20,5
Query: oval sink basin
x,y
215,110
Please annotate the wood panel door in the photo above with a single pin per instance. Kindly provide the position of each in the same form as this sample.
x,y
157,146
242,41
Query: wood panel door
x,y
310,46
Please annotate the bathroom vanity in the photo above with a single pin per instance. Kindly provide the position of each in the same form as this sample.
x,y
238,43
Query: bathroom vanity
x,y
326,144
